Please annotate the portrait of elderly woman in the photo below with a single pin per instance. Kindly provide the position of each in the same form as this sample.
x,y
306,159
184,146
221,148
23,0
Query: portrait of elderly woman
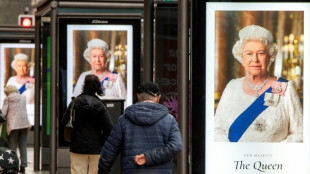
x,y
22,81
97,54
258,107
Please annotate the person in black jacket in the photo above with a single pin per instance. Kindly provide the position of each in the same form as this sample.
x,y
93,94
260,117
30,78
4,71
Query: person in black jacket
x,y
92,125
147,137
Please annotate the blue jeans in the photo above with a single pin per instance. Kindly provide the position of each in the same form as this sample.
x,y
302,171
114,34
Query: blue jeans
x,y
18,138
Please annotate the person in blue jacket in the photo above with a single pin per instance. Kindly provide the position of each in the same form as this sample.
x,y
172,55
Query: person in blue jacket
x,y
147,136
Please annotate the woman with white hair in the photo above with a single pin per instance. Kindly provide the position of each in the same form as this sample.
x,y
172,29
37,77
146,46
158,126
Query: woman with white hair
x,y
98,55
22,81
18,125
259,107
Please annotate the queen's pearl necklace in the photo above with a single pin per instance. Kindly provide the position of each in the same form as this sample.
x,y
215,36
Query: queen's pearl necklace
x,y
256,88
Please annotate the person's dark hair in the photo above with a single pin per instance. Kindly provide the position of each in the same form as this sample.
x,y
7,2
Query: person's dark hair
x,y
92,85
148,91
149,88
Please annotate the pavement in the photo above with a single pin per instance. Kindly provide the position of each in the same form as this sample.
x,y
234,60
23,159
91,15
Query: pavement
x,y
30,168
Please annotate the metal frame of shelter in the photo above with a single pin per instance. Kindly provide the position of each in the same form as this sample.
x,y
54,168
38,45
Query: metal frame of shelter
x,y
51,10
15,32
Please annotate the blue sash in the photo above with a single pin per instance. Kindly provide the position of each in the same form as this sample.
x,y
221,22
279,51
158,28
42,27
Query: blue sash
x,y
245,119
22,89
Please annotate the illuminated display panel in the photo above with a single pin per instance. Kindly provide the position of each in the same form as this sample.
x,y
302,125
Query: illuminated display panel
x,y
253,157
7,52
124,47
118,37
123,37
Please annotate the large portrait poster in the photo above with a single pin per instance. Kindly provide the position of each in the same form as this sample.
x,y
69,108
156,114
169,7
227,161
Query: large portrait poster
x,y
13,56
118,42
276,140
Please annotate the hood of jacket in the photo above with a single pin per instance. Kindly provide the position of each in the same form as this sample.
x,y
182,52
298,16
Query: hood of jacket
x,y
145,113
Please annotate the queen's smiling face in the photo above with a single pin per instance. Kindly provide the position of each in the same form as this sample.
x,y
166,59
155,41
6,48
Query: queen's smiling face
x,y
255,58
21,68
97,59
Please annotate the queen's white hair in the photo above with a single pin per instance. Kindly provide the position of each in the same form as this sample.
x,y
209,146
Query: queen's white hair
x,y
258,33
99,44
18,57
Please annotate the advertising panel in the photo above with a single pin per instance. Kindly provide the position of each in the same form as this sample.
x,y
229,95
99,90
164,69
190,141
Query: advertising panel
x,y
256,122
105,46
117,40
17,69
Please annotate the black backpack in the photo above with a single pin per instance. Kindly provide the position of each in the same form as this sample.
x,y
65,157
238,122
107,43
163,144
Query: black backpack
x,y
9,161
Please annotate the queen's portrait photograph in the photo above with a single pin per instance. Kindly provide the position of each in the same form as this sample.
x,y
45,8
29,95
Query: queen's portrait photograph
x,y
18,70
104,51
258,88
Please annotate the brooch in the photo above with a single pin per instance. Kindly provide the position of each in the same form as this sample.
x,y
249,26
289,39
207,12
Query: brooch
x,y
107,84
113,77
279,87
271,99
260,124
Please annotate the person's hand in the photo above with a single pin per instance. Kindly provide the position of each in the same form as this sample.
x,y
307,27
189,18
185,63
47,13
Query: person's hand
x,y
140,159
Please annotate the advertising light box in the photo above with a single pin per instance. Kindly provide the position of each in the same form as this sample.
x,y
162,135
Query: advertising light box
x,y
79,37
108,47
257,122
17,68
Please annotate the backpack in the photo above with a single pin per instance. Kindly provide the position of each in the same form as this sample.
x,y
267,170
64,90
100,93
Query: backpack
x,y
9,161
